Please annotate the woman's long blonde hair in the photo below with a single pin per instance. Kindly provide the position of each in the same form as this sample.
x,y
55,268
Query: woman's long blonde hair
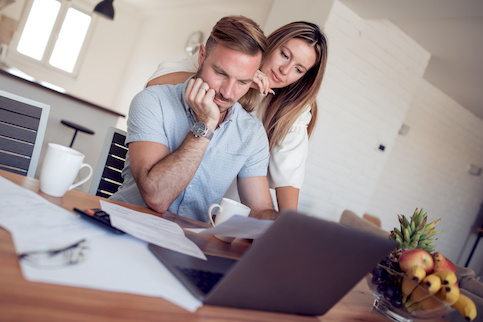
x,y
282,109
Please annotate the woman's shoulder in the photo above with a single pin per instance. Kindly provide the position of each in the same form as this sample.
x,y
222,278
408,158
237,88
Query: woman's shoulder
x,y
305,117
188,64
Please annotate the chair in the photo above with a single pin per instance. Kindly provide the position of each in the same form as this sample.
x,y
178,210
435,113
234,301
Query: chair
x,y
107,178
373,219
351,219
22,128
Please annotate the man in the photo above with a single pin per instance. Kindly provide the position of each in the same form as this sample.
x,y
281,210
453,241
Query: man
x,y
188,142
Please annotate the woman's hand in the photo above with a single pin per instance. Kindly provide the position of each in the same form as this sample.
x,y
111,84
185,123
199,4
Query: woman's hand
x,y
261,82
200,97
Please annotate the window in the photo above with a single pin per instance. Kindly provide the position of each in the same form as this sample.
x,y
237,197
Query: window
x,y
54,34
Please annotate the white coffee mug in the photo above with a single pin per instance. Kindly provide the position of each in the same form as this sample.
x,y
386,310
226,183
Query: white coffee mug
x,y
60,168
225,210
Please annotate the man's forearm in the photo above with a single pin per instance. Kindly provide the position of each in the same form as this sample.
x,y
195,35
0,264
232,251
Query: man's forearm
x,y
167,179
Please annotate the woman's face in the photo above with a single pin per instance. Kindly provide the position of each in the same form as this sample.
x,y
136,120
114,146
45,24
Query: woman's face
x,y
289,63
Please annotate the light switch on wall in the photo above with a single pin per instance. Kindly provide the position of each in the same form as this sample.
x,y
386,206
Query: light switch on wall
x,y
475,170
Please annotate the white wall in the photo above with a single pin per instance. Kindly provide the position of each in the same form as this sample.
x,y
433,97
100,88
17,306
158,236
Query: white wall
x,y
429,168
284,11
373,85
372,74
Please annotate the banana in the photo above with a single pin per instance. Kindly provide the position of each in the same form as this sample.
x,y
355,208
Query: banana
x,y
447,277
413,276
449,294
429,286
429,304
466,307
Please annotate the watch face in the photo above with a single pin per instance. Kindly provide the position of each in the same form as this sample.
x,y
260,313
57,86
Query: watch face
x,y
199,129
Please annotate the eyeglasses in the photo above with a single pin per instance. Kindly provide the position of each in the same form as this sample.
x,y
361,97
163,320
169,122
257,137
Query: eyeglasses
x,y
51,258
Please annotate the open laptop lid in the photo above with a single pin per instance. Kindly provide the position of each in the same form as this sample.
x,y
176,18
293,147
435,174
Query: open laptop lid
x,y
301,265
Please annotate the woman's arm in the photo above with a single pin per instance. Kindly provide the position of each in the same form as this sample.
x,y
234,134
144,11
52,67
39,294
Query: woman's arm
x,y
255,193
261,82
287,198
172,78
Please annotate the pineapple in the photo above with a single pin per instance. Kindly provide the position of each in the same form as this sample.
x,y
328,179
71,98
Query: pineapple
x,y
414,233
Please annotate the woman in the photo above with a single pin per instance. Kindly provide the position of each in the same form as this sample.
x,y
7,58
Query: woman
x,y
292,70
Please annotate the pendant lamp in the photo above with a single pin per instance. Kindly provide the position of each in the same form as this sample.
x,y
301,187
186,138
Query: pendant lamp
x,y
105,8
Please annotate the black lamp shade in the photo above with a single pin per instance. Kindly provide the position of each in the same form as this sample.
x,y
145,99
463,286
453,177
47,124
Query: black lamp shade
x,y
105,8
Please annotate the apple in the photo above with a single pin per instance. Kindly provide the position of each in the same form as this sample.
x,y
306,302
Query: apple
x,y
441,263
414,257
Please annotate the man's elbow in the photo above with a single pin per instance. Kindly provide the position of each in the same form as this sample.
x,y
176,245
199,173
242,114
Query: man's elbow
x,y
155,202
156,205
150,192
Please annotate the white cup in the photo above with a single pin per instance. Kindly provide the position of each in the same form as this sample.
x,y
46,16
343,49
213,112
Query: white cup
x,y
225,210
60,168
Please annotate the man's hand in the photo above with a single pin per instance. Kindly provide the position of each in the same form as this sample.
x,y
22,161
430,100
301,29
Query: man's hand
x,y
200,98
261,82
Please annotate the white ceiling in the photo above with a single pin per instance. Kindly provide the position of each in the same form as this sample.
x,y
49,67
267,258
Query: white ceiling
x,y
451,30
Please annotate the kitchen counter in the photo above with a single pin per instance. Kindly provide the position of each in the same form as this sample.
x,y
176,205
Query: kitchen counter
x,y
19,75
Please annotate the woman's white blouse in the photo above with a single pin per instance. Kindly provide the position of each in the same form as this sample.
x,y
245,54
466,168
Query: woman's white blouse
x,y
287,161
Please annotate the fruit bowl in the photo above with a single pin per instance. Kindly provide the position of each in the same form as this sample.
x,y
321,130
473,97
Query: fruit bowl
x,y
384,285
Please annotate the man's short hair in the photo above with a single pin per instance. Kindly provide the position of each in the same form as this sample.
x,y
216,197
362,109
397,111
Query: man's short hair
x,y
238,33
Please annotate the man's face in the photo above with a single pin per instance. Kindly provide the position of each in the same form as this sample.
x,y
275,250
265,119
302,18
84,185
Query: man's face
x,y
230,73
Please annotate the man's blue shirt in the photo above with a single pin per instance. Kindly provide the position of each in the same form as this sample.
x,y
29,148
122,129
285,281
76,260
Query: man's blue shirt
x,y
239,147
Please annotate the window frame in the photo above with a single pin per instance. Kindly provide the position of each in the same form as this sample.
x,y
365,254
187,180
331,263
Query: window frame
x,y
44,63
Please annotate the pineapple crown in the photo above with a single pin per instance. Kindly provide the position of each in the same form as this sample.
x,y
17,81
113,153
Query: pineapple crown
x,y
415,233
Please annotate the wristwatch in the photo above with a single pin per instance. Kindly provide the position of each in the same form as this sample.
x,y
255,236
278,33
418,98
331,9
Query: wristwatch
x,y
200,129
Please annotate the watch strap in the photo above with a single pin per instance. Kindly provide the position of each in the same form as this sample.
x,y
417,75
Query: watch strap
x,y
208,134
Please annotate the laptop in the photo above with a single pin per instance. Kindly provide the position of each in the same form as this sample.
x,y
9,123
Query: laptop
x,y
300,265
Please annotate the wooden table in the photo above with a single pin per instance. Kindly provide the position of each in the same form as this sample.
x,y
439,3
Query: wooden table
x,y
21,300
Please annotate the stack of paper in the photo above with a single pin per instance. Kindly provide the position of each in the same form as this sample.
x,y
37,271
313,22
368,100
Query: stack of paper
x,y
120,263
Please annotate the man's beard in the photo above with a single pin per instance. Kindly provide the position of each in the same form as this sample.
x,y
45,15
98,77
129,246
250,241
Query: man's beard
x,y
218,95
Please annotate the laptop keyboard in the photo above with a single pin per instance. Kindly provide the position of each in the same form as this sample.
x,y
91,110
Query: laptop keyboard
x,y
205,280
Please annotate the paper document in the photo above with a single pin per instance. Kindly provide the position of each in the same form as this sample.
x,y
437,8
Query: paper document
x,y
126,263
118,263
152,229
241,227
37,224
